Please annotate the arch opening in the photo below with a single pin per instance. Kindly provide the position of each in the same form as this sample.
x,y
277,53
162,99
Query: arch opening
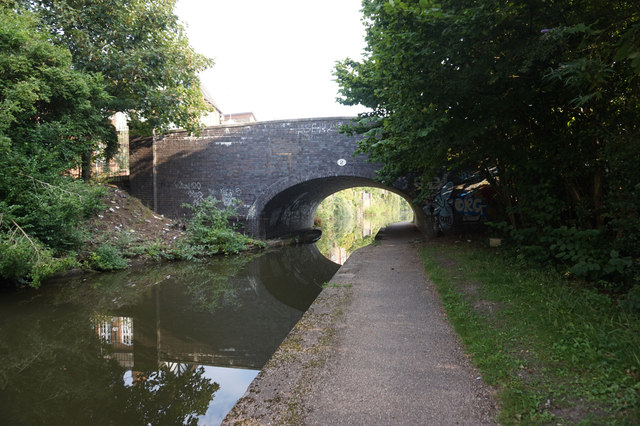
x,y
351,218
293,209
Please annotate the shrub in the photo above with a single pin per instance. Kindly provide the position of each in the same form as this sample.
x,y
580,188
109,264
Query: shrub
x,y
52,211
581,253
107,258
24,260
157,251
208,232
631,302
586,254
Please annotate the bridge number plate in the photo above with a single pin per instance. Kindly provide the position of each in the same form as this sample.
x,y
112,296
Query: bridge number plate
x,y
342,162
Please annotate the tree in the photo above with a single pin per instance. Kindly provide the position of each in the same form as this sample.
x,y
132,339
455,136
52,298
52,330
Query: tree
x,y
65,68
543,92
141,50
50,113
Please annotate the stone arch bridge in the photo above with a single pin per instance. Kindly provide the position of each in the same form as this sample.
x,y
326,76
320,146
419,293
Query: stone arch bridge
x,y
279,171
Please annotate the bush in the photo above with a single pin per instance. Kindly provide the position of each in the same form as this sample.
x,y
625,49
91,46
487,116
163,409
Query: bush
x,y
41,224
158,251
208,232
24,260
107,258
52,212
631,302
580,253
586,254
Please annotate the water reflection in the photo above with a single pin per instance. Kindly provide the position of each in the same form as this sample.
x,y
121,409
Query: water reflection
x,y
350,219
118,333
177,343
233,383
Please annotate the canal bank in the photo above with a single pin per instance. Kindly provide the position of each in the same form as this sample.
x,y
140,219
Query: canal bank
x,y
374,348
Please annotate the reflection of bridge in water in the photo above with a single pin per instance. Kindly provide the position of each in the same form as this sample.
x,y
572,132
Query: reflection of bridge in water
x,y
197,318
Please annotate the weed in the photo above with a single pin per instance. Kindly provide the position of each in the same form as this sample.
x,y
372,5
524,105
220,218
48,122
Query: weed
x,y
107,258
208,232
158,250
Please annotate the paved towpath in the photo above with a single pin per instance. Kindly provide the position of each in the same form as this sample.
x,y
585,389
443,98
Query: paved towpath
x,y
375,348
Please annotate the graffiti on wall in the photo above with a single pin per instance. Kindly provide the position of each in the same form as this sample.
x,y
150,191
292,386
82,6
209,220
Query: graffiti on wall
x,y
195,192
442,207
437,183
318,128
470,206
456,199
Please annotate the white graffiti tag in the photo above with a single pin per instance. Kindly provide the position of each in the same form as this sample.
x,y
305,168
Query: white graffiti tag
x,y
192,190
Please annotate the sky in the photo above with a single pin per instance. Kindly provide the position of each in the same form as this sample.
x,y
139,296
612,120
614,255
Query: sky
x,y
275,58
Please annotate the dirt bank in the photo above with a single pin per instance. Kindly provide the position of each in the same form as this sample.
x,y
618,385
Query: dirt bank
x,y
126,217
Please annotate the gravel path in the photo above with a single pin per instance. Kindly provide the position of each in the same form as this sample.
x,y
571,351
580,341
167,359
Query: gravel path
x,y
385,355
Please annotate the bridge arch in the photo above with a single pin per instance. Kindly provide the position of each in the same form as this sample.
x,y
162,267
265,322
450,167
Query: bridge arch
x,y
294,206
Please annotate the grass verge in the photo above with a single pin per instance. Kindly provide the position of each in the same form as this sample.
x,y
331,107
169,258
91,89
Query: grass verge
x,y
557,352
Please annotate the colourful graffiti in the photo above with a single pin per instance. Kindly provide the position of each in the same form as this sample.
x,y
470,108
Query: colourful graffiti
x,y
470,205
463,201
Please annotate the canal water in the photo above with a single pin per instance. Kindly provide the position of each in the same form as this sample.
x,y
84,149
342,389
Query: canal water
x,y
173,344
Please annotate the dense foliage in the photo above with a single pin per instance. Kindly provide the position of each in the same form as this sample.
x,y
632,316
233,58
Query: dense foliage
x,y
50,113
66,67
547,93
141,49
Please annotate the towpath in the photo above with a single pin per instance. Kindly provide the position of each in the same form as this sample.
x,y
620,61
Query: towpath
x,y
375,348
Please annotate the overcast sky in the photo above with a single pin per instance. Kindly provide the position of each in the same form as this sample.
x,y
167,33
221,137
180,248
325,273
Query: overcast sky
x,y
275,58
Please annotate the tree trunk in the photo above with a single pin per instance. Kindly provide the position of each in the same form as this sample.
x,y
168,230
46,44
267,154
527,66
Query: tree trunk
x,y
597,197
503,196
86,166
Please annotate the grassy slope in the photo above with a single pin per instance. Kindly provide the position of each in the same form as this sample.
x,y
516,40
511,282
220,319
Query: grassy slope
x,y
556,352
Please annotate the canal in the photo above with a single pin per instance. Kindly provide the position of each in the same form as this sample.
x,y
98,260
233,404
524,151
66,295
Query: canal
x,y
152,346
177,343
